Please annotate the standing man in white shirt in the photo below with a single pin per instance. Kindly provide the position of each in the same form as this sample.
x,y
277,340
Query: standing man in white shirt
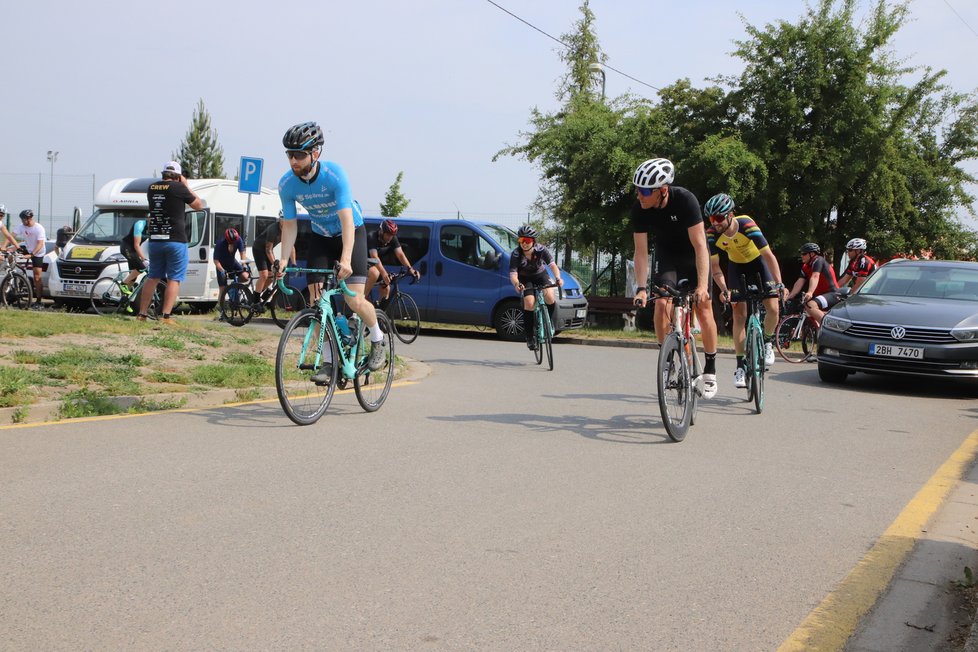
x,y
33,236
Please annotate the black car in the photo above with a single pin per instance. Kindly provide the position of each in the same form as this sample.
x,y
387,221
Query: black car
x,y
911,317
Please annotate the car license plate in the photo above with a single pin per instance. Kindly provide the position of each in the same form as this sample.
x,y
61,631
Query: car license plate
x,y
896,351
76,289
581,313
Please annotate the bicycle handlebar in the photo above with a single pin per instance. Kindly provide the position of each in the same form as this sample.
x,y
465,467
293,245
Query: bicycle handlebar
x,y
328,272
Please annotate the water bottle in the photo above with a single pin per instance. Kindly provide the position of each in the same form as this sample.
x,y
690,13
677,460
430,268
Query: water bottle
x,y
343,327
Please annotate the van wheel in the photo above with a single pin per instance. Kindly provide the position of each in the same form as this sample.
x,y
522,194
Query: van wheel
x,y
508,321
202,308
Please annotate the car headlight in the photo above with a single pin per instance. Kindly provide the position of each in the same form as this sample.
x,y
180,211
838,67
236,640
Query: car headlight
x,y
836,323
115,258
965,334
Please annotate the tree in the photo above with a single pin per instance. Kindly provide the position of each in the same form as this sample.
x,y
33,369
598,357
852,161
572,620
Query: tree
x,y
395,202
849,149
200,156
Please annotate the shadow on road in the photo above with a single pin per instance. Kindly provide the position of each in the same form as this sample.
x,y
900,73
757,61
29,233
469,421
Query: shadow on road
x,y
620,429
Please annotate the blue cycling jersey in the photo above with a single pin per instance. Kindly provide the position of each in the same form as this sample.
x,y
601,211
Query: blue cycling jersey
x,y
323,197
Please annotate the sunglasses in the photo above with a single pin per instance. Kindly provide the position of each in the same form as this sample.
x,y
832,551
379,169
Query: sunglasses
x,y
299,155
717,219
527,240
646,192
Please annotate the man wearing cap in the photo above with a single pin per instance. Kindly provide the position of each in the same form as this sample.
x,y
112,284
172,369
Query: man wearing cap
x,y
8,239
34,237
167,229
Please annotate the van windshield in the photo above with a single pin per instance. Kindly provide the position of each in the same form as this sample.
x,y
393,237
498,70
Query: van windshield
x,y
506,238
108,227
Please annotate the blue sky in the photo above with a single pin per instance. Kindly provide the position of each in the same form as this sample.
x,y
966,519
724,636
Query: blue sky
x,y
430,87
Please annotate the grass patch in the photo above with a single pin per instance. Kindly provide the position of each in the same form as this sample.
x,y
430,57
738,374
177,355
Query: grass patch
x,y
115,374
246,394
169,377
18,386
26,357
86,403
149,405
236,370
19,415
167,340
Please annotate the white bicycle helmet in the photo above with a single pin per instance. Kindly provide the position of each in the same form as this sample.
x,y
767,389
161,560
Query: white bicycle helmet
x,y
654,173
856,243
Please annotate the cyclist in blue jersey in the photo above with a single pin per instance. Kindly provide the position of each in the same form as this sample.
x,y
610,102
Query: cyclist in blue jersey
x,y
338,235
132,249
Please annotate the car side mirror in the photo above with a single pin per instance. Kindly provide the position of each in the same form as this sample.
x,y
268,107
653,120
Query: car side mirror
x,y
844,292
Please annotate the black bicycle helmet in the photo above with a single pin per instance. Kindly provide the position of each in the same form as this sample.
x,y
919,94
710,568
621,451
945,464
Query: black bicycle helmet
x,y
304,136
527,231
26,214
810,248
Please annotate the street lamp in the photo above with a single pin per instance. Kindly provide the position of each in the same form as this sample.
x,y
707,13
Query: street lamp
x,y
53,158
598,68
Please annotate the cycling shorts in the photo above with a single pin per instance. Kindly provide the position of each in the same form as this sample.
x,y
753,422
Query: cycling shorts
x,y
222,275
135,262
533,281
668,271
324,251
261,257
827,300
751,270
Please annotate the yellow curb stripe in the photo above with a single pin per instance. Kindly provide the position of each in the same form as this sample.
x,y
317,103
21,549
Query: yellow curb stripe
x,y
831,623
109,417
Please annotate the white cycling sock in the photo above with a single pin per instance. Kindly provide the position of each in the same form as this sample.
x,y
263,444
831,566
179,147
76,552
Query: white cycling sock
x,y
376,335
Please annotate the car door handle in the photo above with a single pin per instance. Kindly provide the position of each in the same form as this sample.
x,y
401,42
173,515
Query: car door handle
x,y
438,268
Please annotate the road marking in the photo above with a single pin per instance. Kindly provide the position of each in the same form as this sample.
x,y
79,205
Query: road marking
x,y
108,417
831,623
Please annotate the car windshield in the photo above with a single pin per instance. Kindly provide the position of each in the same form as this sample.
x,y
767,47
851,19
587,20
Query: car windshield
x,y
908,279
108,227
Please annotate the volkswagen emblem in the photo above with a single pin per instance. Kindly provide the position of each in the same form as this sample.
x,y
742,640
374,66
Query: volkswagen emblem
x,y
898,332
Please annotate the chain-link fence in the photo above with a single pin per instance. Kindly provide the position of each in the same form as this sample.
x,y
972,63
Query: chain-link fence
x,y
54,203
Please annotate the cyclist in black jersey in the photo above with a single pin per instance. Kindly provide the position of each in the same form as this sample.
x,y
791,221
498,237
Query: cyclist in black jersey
x,y
528,265
380,243
672,216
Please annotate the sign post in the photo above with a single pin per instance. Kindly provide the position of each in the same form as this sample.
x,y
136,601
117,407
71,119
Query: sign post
x,y
249,181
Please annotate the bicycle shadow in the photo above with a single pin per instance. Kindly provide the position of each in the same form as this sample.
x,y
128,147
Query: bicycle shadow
x,y
268,414
640,429
469,362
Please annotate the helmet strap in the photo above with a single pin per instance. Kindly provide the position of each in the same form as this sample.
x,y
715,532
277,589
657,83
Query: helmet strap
x,y
313,168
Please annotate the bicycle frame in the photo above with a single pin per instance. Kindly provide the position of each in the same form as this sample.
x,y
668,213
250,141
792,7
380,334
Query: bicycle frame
x,y
682,314
348,353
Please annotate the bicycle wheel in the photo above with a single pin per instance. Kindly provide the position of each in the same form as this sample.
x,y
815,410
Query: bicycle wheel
x,y
284,306
372,387
749,360
809,340
405,318
303,399
237,304
758,371
107,297
548,338
17,291
674,387
787,339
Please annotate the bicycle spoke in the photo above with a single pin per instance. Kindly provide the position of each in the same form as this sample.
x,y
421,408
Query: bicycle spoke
x,y
372,387
674,388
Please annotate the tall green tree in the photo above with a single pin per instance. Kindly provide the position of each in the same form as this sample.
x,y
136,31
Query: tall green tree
x,y
200,155
395,202
849,148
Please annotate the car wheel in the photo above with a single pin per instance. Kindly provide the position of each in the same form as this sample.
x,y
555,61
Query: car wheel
x,y
508,321
830,374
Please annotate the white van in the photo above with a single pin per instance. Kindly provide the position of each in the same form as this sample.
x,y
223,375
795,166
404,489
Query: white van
x,y
94,250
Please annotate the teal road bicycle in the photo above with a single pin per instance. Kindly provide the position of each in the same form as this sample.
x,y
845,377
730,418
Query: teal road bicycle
x,y
320,351
109,296
544,335
754,295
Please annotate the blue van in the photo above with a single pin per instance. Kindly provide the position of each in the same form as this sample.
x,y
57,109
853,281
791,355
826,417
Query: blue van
x,y
464,269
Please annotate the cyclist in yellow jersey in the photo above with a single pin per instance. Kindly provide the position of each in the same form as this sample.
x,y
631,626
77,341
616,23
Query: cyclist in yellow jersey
x,y
750,256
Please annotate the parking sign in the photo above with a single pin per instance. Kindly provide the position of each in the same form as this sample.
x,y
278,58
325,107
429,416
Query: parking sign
x,y
249,176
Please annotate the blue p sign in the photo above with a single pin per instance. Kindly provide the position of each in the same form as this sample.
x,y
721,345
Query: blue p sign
x,y
249,176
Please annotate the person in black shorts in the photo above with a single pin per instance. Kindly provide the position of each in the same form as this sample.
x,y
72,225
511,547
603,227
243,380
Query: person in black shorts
x,y
528,265
671,214
131,248
263,251
380,243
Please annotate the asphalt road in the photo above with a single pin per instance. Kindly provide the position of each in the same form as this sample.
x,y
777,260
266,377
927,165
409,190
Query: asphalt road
x,y
491,505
